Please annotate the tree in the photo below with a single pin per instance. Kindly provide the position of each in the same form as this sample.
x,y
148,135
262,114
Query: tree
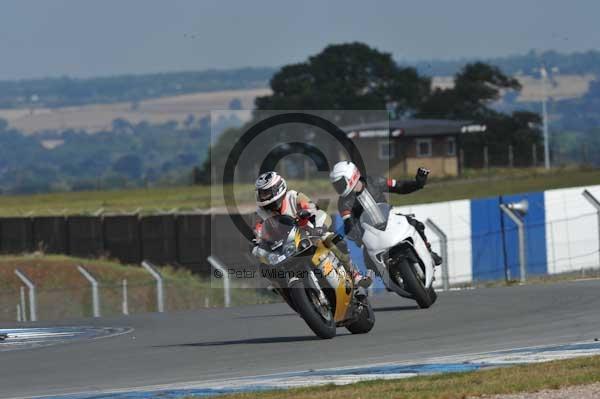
x,y
354,76
351,76
189,121
129,165
197,177
346,76
122,125
476,86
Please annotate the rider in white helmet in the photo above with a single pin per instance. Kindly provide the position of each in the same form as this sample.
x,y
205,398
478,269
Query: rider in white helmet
x,y
274,198
348,183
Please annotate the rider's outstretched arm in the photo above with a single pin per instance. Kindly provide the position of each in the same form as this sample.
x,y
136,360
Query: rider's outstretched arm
x,y
408,186
402,186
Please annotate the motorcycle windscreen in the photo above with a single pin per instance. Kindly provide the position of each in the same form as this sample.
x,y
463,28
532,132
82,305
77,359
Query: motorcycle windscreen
x,y
276,230
374,214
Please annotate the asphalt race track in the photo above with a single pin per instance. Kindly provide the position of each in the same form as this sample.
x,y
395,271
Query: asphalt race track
x,y
254,340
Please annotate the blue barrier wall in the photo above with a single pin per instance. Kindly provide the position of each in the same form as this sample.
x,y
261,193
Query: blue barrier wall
x,y
494,242
487,249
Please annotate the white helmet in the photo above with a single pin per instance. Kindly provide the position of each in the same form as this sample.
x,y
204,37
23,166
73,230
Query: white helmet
x,y
344,177
270,189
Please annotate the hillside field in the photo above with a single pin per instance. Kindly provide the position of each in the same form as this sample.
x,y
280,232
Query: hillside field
x,y
96,117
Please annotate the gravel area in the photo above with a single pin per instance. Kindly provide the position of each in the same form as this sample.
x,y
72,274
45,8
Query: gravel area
x,y
591,391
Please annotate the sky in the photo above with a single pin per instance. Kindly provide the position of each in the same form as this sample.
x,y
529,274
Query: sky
x,y
83,38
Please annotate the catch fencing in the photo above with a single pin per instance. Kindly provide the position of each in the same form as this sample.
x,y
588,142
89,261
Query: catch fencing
x,y
37,296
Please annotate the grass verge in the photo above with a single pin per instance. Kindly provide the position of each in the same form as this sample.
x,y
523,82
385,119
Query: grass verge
x,y
62,292
505,380
474,184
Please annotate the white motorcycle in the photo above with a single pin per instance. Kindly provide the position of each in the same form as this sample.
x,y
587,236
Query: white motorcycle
x,y
397,251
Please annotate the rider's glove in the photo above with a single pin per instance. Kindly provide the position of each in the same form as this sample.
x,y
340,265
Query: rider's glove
x,y
421,177
305,217
254,243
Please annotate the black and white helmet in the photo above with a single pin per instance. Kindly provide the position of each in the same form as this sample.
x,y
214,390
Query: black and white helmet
x,y
344,177
270,190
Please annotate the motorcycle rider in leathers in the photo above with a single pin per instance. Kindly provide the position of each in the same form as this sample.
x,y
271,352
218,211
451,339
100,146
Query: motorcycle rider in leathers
x,y
274,198
348,183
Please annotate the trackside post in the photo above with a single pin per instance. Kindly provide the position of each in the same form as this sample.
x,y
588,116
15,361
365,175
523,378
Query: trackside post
x,y
125,303
596,204
513,211
160,295
95,292
32,297
23,303
216,263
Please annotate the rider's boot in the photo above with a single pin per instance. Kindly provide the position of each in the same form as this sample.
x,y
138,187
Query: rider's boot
x,y
361,283
341,251
360,293
361,280
437,260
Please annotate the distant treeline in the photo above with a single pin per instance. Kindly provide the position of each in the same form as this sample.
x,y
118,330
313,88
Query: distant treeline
x,y
580,114
527,64
65,91
126,155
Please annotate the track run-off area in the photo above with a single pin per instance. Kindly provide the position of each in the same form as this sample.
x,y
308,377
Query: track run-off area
x,y
258,347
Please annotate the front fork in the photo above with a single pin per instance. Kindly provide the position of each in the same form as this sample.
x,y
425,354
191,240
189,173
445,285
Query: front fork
x,y
317,287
